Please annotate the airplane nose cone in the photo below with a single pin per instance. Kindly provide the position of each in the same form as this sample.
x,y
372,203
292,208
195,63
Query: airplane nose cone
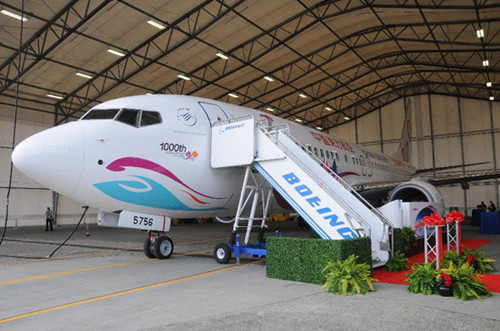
x,y
54,157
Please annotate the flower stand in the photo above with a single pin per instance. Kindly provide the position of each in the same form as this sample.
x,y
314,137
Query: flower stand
x,y
433,252
454,241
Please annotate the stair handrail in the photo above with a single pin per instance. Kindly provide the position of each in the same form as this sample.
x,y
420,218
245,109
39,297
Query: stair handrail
x,y
284,128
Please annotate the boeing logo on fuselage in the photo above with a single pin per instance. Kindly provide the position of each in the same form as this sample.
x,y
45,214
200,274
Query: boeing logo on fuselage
x,y
325,212
231,127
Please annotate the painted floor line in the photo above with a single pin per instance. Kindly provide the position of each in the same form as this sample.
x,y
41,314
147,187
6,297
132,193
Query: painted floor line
x,y
117,294
63,273
57,257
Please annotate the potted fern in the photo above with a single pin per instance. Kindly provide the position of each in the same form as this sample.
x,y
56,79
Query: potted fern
x,y
348,277
478,260
466,284
397,262
422,279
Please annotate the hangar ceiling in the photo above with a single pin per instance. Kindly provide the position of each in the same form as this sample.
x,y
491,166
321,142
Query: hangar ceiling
x,y
321,62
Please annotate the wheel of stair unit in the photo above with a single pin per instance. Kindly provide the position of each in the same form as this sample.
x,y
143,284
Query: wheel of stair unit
x,y
163,247
148,249
222,253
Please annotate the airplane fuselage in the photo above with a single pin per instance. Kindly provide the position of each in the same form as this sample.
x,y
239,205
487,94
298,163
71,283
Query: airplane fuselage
x,y
151,154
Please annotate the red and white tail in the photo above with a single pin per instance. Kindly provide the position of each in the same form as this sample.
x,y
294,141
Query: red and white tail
x,y
404,150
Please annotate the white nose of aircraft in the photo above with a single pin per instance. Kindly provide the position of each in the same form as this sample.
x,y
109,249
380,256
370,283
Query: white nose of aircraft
x,y
54,157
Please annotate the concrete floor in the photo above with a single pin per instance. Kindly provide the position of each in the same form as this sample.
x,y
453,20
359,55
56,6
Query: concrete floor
x,y
105,282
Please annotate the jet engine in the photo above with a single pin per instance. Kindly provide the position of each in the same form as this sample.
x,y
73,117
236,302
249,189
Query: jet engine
x,y
418,191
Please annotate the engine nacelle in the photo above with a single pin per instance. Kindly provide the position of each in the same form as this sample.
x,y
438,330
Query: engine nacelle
x,y
418,191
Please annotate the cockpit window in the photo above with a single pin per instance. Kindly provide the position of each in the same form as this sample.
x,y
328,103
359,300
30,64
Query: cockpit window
x,y
150,118
128,116
100,114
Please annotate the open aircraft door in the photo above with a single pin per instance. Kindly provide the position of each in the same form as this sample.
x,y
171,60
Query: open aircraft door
x,y
213,112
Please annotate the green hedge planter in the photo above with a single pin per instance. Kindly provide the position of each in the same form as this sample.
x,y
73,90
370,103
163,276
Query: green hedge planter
x,y
302,260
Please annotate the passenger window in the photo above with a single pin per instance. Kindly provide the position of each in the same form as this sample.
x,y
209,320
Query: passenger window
x,y
345,156
150,118
327,152
337,156
100,114
128,116
321,152
316,151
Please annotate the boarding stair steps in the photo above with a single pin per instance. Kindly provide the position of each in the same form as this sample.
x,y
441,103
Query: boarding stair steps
x,y
329,205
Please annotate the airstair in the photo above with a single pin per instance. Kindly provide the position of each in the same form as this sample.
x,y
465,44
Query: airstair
x,y
328,204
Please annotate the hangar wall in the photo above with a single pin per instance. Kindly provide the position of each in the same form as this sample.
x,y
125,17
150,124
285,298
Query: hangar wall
x,y
446,131
28,200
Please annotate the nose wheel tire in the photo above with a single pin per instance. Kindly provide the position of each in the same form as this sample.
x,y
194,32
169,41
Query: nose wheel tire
x,y
148,249
222,253
163,247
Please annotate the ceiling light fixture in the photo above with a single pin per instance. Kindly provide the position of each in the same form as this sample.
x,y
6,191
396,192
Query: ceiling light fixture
x,y
181,76
328,108
298,120
83,75
486,63
232,95
156,24
319,128
302,95
222,56
488,84
53,96
269,79
480,33
270,109
112,51
13,15
347,118
492,98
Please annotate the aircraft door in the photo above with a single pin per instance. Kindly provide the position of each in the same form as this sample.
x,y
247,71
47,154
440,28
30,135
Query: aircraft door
x,y
213,112
366,165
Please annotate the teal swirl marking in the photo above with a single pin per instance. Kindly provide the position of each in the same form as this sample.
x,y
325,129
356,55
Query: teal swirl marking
x,y
152,194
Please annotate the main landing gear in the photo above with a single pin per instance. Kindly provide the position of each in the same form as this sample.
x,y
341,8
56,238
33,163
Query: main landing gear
x,y
158,245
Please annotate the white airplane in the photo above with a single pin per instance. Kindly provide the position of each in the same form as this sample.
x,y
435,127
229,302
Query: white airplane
x,y
149,155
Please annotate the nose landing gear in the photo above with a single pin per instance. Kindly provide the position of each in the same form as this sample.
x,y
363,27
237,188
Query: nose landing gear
x,y
158,245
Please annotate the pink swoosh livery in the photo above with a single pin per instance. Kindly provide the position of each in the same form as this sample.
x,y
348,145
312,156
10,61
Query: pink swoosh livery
x,y
121,164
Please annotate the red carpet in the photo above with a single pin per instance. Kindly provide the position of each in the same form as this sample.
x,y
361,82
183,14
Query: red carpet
x,y
492,281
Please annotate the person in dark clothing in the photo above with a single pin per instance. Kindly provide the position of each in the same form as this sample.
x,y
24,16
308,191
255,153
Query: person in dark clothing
x,y
482,206
49,218
492,206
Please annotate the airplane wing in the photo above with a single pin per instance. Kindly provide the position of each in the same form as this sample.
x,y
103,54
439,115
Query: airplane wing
x,y
464,178
426,170
438,180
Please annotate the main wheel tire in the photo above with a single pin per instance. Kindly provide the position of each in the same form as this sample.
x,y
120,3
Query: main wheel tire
x,y
222,253
148,249
163,247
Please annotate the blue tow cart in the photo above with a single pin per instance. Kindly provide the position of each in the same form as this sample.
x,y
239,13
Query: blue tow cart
x,y
223,251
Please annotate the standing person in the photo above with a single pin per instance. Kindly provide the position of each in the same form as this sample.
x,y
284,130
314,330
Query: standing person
x,y
482,206
492,206
49,218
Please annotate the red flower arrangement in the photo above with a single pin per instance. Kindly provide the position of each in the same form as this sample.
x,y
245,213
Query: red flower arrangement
x,y
454,216
445,279
436,220
471,259
433,220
